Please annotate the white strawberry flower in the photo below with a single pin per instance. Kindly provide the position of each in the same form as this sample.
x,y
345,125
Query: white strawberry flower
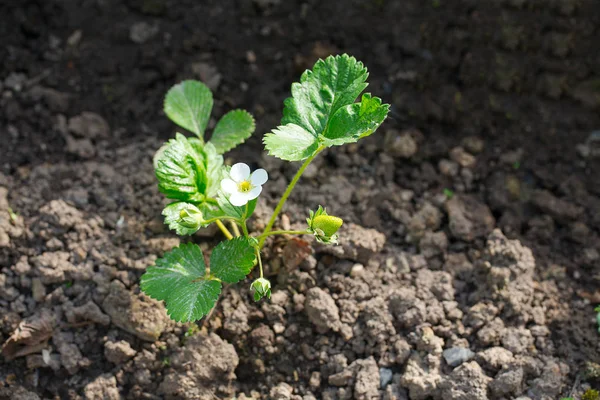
x,y
241,186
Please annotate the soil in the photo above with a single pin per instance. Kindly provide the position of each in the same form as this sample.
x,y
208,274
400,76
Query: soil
x,y
469,262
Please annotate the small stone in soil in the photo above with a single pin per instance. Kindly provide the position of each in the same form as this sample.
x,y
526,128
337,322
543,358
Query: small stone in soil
x,y
401,145
457,355
385,377
141,32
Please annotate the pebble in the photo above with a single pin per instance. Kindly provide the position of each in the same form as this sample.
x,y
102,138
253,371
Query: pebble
x,y
401,145
357,270
15,81
473,144
208,73
75,38
464,159
385,377
448,168
457,355
141,32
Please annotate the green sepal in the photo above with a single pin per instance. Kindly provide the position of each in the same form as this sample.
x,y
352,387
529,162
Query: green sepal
x,y
181,281
261,287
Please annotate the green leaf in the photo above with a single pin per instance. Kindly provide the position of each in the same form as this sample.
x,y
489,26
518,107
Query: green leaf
x,y
232,259
179,279
290,142
189,104
232,129
180,170
333,83
188,170
322,106
172,214
356,121
214,169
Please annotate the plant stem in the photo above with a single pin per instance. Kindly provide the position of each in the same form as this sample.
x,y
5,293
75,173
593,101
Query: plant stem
x,y
225,231
287,193
282,233
245,228
260,268
234,227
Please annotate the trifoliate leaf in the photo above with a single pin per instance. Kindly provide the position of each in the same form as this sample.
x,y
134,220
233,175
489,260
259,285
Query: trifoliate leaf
x,y
180,280
290,142
310,116
355,121
232,260
333,83
180,170
184,218
232,129
189,104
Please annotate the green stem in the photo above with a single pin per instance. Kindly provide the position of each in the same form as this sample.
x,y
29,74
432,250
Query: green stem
x,y
287,193
234,227
244,227
260,268
283,233
225,231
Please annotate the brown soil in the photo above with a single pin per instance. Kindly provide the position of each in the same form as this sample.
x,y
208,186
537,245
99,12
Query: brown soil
x,y
472,216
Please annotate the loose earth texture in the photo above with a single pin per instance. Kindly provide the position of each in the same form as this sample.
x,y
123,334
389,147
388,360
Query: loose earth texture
x,y
468,264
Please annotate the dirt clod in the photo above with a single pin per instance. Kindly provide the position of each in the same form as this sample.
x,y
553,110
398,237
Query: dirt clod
x,y
322,310
138,314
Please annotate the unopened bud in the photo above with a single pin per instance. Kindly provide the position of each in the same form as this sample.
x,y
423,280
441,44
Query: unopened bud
x,y
262,288
328,224
191,217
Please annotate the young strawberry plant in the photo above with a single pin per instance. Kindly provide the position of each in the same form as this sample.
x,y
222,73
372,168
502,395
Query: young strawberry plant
x,y
321,113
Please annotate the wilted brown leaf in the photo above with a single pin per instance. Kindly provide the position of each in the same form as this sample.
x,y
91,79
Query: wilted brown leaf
x,y
30,337
295,251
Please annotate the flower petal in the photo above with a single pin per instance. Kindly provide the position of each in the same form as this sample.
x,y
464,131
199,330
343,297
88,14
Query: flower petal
x,y
254,193
239,199
229,186
240,172
259,177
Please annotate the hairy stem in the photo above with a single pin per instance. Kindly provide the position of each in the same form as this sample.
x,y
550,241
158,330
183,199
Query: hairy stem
x,y
287,193
260,268
282,233
225,231
234,227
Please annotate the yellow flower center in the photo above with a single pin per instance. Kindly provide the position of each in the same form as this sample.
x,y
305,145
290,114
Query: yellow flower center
x,y
245,186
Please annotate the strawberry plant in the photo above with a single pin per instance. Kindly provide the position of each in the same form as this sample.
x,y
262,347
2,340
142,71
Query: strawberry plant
x,y
322,112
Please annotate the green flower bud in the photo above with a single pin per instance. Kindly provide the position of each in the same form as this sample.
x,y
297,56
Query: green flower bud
x,y
191,217
262,288
328,224
324,226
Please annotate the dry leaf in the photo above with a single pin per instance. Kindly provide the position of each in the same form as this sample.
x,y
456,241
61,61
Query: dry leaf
x,y
29,337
